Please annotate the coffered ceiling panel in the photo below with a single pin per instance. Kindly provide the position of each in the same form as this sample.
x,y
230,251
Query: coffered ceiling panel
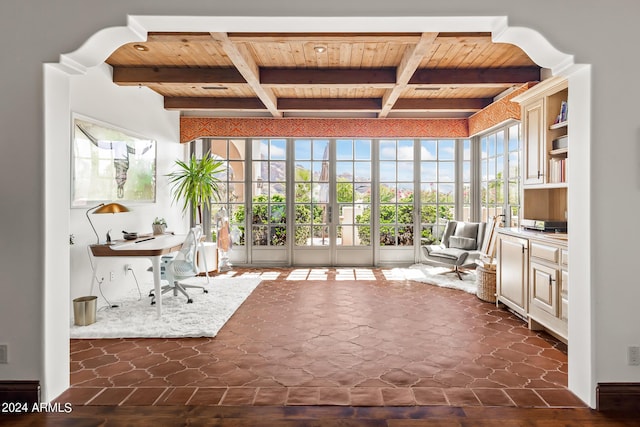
x,y
321,74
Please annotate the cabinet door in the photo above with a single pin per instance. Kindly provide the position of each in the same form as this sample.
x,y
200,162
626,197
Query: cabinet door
x,y
512,272
543,283
564,295
534,155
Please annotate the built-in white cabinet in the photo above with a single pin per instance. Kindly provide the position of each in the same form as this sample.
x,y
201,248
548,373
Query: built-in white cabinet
x,y
546,132
532,278
545,124
532,272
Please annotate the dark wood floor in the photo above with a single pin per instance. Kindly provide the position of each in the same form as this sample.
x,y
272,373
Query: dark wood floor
x,y
328,416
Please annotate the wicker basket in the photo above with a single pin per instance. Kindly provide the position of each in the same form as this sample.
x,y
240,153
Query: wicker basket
x,y
486,281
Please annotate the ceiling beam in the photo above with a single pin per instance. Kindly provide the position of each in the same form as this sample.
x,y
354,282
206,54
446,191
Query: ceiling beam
x,y
331,104
288,77
245,64
441,104
408,65
470,76
324,37
125,76
212,103
464,38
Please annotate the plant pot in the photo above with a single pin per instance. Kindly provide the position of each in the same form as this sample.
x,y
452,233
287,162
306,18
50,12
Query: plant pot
x,y
158,229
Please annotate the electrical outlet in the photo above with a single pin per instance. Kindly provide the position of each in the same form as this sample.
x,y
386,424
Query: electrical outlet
x,y
4,356
127,267
633,355
112,275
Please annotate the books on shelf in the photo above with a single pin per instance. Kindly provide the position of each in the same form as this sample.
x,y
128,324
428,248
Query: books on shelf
x,y
558,169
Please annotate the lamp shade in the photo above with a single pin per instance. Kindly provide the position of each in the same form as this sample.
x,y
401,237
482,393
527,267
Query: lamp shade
x,y
111,208
103,209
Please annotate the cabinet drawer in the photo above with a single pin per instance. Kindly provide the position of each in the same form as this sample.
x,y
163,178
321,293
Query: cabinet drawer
x,y
564,257
544,252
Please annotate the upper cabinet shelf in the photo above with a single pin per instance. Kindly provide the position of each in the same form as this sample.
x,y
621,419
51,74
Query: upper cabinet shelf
x,y
559,125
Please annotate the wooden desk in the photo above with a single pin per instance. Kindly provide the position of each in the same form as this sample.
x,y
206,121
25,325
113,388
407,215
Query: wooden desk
x,y
151,247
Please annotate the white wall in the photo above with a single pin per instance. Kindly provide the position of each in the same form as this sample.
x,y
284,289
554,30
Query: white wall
x,y
605,319
138,110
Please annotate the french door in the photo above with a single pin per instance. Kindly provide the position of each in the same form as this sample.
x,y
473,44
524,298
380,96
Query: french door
x,y
332,207
294,201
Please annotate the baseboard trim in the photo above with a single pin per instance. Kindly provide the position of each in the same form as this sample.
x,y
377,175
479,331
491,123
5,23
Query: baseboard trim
x,y
618,397
20,392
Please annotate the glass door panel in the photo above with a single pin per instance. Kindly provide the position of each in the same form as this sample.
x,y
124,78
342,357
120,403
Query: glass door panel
x,y
232,153
311,202
268,205
353,196
332,202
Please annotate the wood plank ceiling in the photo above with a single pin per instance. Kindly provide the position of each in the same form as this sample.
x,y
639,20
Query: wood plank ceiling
x,y
380,75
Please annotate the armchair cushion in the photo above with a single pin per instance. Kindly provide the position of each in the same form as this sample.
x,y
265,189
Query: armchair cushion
x,y
449,228
460,242
467,229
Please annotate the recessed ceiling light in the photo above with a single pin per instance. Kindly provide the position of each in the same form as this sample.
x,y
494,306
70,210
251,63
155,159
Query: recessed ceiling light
x,y
140,47
320,49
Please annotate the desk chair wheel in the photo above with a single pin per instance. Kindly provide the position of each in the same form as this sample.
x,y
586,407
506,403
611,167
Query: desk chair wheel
x,y
189,301
205,291
153,303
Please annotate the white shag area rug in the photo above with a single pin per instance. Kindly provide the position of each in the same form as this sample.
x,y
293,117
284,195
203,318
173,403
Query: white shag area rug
x,y
430,274
135,317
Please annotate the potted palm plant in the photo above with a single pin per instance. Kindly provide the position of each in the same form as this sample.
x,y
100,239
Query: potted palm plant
x,y
196,183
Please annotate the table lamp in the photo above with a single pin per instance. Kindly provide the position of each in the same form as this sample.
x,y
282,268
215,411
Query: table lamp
x,y
102,208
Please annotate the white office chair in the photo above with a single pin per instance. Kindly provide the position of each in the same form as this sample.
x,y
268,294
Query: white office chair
x,y
182,266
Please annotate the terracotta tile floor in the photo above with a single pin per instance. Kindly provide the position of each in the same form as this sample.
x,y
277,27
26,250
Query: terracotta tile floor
x,y
335,342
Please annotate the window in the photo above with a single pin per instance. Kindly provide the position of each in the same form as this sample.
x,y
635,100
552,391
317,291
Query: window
x,y
353,191
268,188
418,185
499,168
514,189
396,192
311,183
232,194
437,187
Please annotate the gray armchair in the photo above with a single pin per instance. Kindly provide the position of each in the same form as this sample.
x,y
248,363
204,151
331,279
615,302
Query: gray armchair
x,y
460,245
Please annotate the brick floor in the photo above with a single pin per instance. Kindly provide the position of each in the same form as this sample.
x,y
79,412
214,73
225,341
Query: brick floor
x,y
338,342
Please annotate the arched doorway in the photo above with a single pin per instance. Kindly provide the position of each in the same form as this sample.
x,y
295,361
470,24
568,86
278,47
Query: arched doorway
x,y
98,47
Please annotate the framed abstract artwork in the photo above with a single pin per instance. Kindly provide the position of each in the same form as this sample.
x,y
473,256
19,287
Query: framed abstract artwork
x,y
110,164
